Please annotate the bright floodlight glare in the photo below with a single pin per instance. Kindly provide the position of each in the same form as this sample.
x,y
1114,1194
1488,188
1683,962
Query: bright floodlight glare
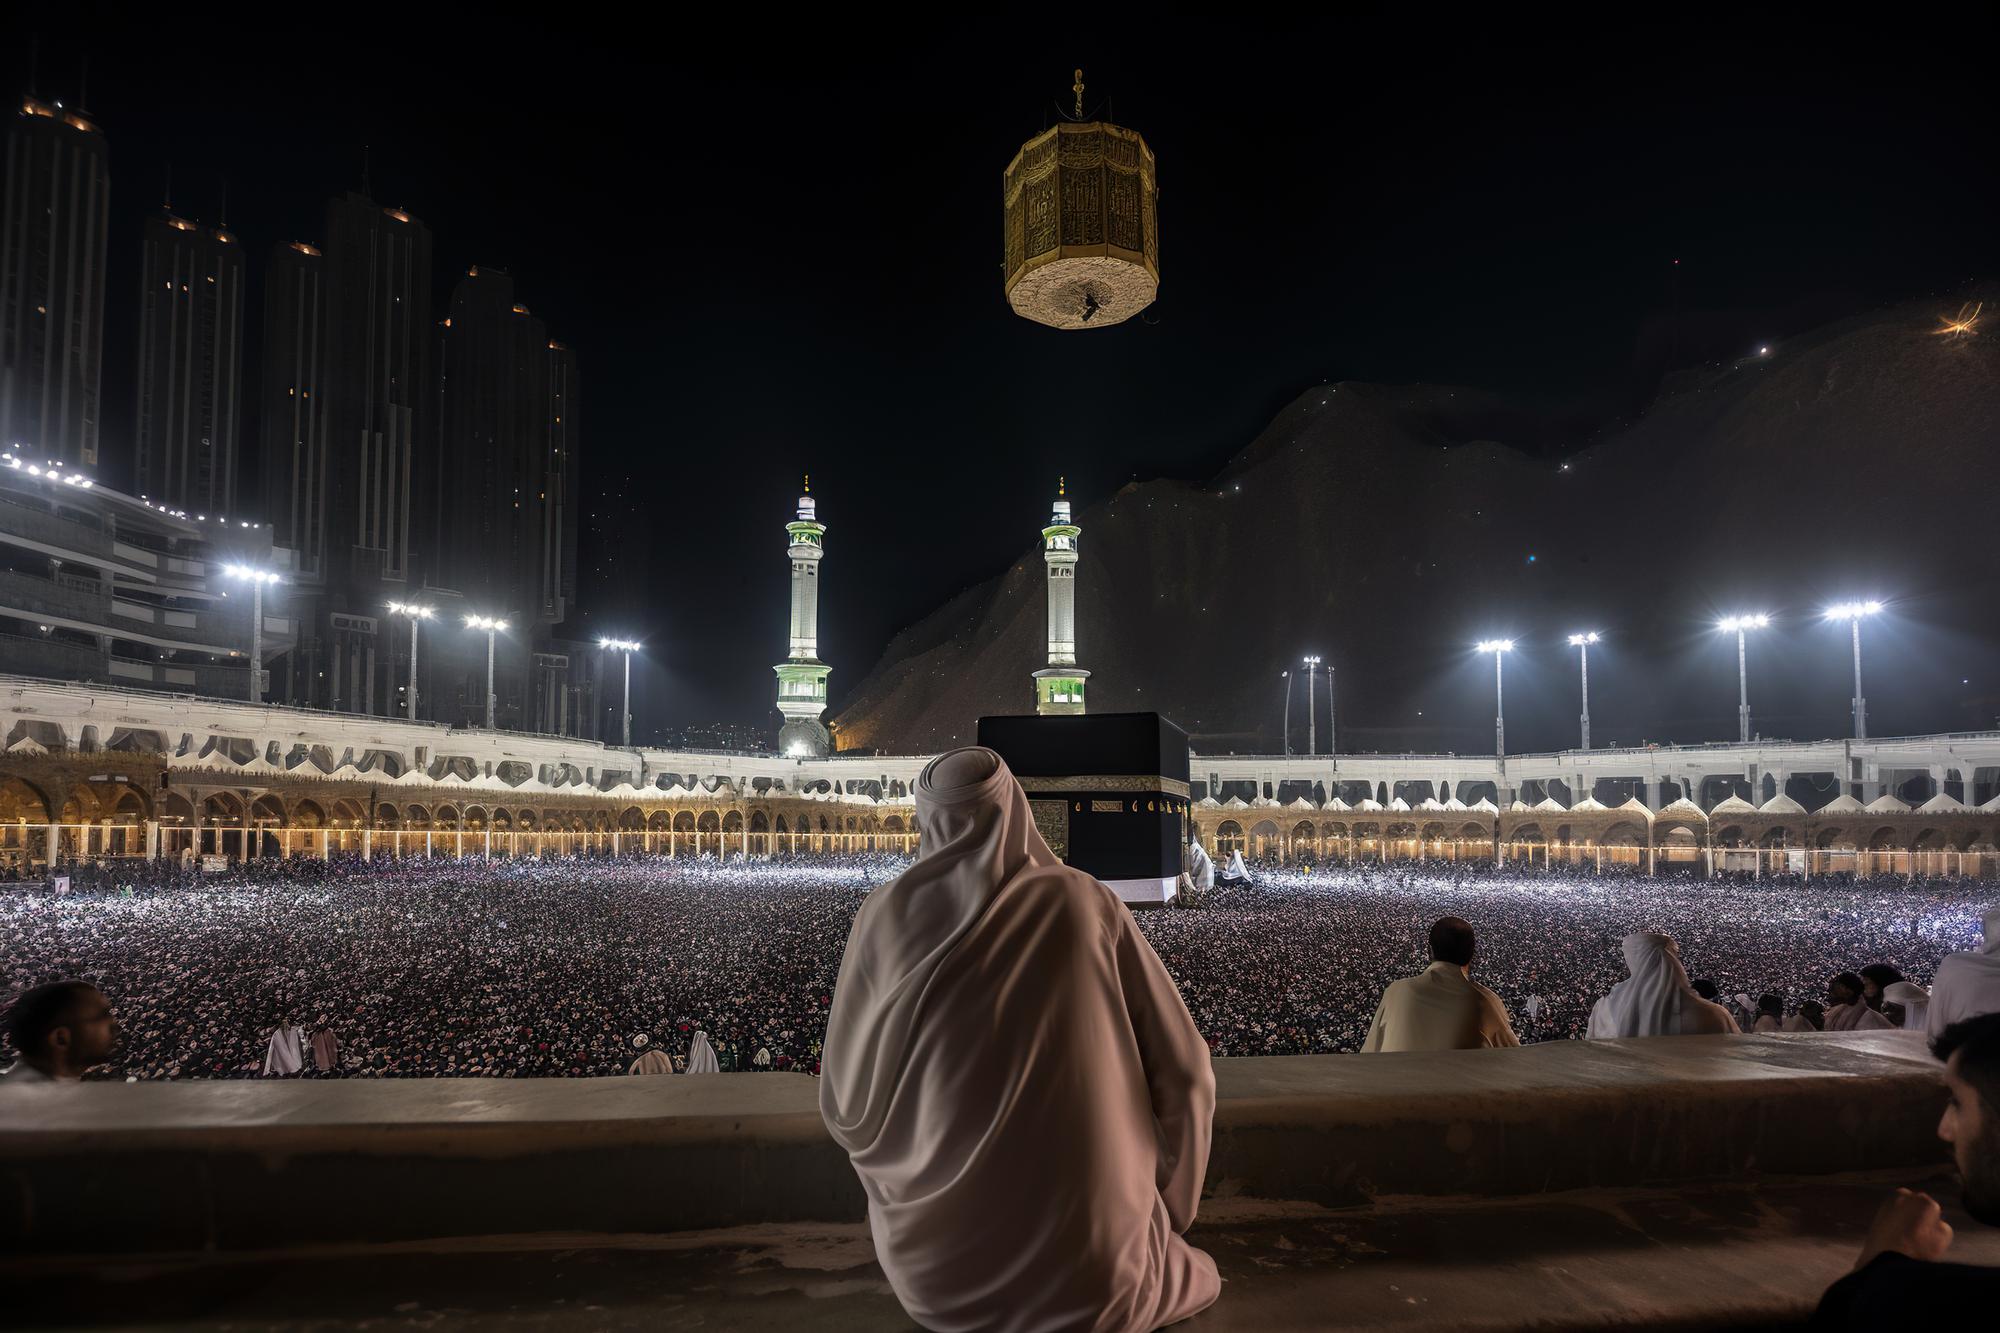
x,y
484,622
246,572
623,645
1578,640
1730,624
1496,645
1311,661
411,609
1853,610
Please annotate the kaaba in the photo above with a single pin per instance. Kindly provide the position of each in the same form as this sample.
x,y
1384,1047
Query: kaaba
x,y
1109,793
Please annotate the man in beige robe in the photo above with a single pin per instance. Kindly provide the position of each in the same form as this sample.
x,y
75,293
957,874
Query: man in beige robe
x,y
1441,1008
1017,1082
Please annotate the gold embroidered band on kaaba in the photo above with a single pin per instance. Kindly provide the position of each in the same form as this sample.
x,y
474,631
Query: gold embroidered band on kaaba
x,y
1108,782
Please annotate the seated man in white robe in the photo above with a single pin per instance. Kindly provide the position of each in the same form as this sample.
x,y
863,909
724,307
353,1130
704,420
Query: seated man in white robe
x,y
1967,984
1017,1082
1441,1008
1656,1000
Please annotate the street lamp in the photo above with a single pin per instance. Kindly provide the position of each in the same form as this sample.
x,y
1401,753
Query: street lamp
x,y
1582,643
1286,676
1499,648
1312,710
1739,625
627,647
417,614
492,627
1853,612
256,578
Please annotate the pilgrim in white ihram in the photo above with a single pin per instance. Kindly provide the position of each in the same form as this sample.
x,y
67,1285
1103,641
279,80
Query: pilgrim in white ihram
x,y
1017,1082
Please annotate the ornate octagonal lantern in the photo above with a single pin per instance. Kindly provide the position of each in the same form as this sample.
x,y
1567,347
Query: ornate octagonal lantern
x,y
1082,231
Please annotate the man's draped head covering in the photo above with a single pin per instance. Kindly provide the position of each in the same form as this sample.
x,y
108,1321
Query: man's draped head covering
x,y
1914,999
1649,1002
1989,923
979,839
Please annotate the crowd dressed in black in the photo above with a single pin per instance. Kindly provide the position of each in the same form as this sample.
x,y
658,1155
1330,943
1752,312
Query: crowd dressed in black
x,y
574,967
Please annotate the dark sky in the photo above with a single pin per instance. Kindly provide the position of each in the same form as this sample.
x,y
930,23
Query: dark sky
x,y
777,248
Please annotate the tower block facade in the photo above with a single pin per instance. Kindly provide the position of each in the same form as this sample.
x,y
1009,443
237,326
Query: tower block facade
x,y
1059,685
802,676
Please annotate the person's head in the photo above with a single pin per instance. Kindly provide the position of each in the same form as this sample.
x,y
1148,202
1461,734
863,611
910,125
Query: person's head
x,y
1771,1003
1971,1124
1814,1013
63,1027
1844,989
1705,988
1451,941
1874,978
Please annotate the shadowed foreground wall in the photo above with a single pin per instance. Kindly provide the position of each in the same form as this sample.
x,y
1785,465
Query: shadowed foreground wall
x,y
103,1168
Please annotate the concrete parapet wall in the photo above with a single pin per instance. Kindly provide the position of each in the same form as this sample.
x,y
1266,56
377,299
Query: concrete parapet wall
x,y
103,1168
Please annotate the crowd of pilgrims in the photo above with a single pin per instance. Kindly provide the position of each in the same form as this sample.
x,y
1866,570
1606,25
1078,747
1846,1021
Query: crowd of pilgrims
x,y
583,967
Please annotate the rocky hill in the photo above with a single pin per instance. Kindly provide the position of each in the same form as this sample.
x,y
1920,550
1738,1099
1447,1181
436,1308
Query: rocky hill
x,y
1388,527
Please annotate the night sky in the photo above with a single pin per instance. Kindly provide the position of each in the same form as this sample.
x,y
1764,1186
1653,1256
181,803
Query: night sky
x,y
778,249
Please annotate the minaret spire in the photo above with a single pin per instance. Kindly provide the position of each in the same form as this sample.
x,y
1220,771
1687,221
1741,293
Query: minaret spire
x,y
1059,685
802,676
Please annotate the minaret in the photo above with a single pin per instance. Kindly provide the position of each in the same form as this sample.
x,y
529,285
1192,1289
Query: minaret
x,y
802,676
1059,685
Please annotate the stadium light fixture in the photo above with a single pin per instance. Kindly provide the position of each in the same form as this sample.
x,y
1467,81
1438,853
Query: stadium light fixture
x,y
492,625
257,579
1739,626
1499,648
627,647
1854,613
417,614
1582,642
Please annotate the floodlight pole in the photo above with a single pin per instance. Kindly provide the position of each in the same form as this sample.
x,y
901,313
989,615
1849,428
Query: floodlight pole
x,y
1742,690
1861,704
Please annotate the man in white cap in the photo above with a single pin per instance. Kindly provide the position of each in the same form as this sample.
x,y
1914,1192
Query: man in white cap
x,y
1967,984
1017,1082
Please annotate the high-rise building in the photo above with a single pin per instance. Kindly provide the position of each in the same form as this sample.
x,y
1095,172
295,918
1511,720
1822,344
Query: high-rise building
x,y
293,415
57,201
802,676
380,390
294,443
190,365
352,470
506,522
1059,685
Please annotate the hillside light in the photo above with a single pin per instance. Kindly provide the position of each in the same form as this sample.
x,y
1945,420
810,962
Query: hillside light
x,y
1582,642
1499,648
417,615
1739,626
1854,613
492,626
627,647
256,578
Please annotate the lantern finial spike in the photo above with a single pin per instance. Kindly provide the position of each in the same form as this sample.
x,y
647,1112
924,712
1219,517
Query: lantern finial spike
x,y
1078,90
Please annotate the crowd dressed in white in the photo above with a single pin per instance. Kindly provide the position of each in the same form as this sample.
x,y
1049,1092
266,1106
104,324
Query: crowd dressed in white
x,y
580,967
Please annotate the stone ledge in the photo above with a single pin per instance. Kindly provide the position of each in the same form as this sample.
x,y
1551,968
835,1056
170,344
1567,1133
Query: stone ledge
x,y
1588,1259
232,1165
